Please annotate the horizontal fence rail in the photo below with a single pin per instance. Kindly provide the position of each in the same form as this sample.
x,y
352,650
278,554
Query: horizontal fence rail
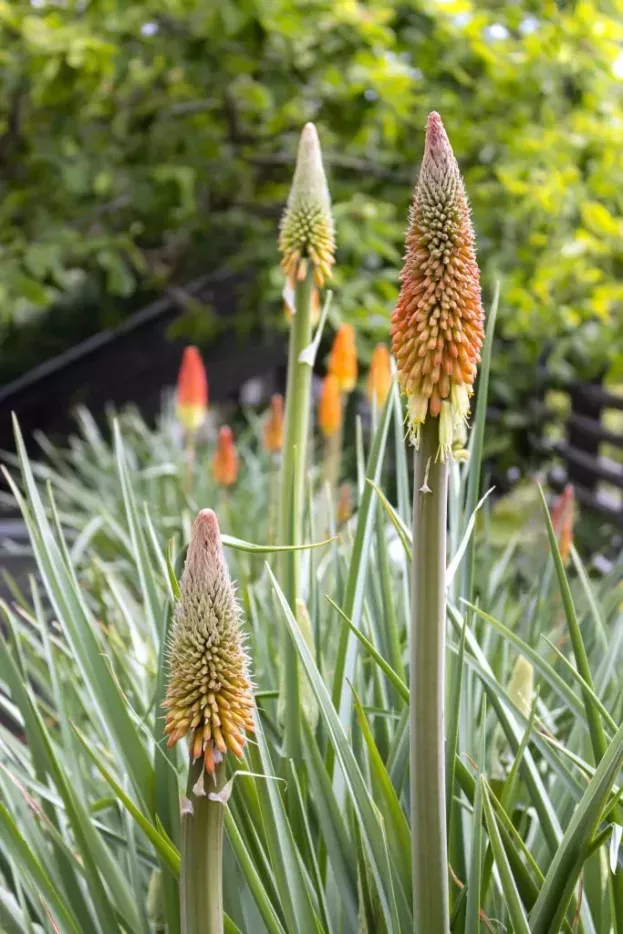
x,y
586,452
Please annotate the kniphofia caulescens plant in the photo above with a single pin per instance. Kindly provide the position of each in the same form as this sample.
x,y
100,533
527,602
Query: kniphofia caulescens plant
x,y
437,334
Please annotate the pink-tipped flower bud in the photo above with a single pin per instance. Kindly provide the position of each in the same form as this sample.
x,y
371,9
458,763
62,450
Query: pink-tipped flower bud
x,y
209,694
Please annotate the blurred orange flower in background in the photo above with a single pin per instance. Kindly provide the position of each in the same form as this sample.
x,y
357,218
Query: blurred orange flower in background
x,y
343,358
379,375
192,391
330,406
225,459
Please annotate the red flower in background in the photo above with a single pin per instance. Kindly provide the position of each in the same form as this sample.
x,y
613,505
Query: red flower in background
x,y
192,391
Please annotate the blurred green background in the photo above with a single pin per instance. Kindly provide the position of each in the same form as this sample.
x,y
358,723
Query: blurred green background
x,y
145,143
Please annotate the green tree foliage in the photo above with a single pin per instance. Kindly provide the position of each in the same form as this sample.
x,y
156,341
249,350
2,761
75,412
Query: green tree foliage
x,y
142,141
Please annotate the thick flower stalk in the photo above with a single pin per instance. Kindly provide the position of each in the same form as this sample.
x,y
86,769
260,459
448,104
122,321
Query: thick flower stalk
x,y
209,700
379,376
288,303
272,434
343,358
209,695
437,325
225,459
192,391
307,245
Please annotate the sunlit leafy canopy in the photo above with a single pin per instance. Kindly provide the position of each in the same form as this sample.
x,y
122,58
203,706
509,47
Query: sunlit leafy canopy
x,y
142,142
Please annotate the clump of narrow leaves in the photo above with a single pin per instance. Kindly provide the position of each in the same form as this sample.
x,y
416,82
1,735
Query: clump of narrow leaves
x,y
312,817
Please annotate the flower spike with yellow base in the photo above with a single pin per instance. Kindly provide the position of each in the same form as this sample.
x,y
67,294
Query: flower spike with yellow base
x,y
437,325
306,233
209,691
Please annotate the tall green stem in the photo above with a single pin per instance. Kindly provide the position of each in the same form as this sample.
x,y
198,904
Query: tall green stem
x,y
201,875
428,625
293,489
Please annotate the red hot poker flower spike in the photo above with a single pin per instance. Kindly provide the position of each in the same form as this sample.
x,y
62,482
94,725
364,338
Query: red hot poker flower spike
x,y
343,358
192,390
225,460
437,325
330,406
209,696
379,376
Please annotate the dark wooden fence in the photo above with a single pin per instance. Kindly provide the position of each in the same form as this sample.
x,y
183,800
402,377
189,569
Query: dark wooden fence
x,y
132,363
135,360
586,451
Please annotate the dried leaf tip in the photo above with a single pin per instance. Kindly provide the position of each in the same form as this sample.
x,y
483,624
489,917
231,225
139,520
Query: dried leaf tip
x,y
209,692
438,322
306,232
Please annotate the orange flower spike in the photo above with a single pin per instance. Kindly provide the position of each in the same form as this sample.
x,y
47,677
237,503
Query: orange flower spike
x,y
192,391
209,693
438,322
273,426
343,358
330,406
563,517
379,376
225,460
